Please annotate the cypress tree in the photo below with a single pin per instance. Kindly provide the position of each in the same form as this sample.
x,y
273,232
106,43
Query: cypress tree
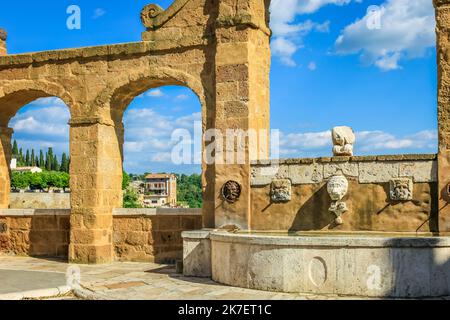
x,y
15,149
27,159
21,160
55,165
41,160
49,160
33,158
64,163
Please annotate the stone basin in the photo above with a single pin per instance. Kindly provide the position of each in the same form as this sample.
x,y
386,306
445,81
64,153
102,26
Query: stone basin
x,y
397,265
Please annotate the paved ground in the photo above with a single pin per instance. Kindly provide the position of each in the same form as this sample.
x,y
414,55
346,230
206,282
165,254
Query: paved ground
x,y
17,280
138,281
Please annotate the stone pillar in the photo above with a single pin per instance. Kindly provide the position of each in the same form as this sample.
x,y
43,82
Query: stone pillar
x,y
443,58
242,66
5,161
3,36
95,182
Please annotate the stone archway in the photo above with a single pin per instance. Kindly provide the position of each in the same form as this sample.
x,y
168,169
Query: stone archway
x,y
13,97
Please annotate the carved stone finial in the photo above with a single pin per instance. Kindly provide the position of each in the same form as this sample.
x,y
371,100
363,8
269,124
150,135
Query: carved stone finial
x,y
343,140
3,34
150,12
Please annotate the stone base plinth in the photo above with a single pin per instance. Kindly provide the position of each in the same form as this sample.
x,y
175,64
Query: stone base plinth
x,y
91,254
353,265
196,253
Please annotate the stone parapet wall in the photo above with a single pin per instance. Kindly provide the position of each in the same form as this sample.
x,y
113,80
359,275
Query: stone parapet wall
x,y
368,199
41,200
34,232
152,235
139,234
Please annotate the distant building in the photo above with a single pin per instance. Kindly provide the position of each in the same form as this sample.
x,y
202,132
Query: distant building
x,y
23,169
160,190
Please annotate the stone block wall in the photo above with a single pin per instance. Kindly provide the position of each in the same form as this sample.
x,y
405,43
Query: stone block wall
x,y
34,232
368,197
152,235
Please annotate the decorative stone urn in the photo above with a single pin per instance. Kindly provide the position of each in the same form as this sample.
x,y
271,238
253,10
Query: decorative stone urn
x,y
343,140
337,188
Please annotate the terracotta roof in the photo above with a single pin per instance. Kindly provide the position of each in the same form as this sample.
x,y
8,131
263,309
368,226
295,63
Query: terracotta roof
x,y
159,176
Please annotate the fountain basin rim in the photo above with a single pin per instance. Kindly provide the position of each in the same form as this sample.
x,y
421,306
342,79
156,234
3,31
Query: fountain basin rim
x,y
330,240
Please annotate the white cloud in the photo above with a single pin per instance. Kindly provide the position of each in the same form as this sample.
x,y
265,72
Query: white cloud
x,y
44,121
155,93
406,31
99,12
181,97
287,34
52,101
43,124
312,144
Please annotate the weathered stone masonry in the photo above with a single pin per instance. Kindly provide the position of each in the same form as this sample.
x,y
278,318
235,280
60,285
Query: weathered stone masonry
x,y
147,235
443,61
219,49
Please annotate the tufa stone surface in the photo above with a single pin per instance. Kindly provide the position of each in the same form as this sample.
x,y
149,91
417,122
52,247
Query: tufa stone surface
x,y
218,49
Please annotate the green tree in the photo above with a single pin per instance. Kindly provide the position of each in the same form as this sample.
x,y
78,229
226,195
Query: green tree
x,y
27,159
131,199
64,163
51,177
55,165
189,190
33,158
38,181
20,158
15,149
20,181
63,181
125,180
41,160
49,160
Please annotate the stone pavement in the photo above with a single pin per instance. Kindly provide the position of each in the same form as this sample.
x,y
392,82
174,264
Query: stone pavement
x,y
127,280
18,281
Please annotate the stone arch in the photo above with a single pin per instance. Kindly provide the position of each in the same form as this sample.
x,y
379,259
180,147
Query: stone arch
x,y
119,96
15,95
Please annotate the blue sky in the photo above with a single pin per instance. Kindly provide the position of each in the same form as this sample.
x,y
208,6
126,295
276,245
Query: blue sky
x,y
328,68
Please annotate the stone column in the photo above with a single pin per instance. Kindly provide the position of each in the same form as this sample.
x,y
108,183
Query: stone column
x,y
5,161
95,182
3,36
242,66
443,58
